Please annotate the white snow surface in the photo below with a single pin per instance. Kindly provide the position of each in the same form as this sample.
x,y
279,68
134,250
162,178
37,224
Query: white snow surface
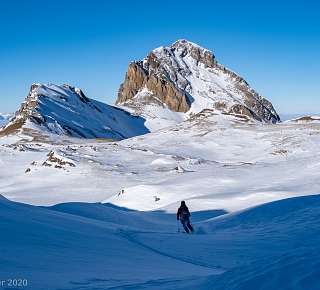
x,y
232,164
96,246
94,236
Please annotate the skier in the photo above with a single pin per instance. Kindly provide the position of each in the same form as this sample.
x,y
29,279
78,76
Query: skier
x,y
183,215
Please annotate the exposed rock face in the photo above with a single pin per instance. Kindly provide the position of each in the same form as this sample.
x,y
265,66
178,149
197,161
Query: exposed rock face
x,y
187,78
65,110
57,161
163,89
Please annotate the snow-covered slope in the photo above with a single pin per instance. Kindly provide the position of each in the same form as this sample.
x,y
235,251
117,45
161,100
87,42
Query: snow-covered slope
x,y
88,248
65,110
231,163
95,246
187,78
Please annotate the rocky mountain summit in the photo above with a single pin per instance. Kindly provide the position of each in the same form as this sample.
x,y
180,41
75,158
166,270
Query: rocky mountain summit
x,y
185,77
65,110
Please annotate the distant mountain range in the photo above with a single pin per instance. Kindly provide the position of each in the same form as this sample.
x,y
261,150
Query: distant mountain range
x,y
286,117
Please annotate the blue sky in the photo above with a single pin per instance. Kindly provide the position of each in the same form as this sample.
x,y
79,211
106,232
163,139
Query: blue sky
x,y
274,45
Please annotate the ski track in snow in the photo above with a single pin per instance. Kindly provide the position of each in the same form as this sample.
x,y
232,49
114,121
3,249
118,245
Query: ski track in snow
x,y
130,237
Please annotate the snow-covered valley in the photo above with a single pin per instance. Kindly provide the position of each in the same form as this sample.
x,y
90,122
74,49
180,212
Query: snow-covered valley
x,y
233,164
94,236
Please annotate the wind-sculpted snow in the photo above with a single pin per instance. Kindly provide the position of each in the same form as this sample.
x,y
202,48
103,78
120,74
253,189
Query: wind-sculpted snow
x,y
56,250
282,246
97,246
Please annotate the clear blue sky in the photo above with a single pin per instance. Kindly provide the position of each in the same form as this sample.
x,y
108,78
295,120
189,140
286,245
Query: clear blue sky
x,y
274,45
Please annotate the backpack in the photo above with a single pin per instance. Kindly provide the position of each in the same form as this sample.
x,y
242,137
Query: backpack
x,y
184,213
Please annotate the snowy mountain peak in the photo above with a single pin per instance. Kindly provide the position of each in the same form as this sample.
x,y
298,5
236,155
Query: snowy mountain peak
x,y
185,77
65,110
52,91
184,47
186,43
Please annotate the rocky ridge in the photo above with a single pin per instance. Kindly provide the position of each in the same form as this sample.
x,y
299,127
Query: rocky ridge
x,y
65,110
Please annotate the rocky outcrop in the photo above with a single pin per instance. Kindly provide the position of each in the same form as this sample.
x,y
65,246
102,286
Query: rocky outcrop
x,y
162,88
187,78
161,78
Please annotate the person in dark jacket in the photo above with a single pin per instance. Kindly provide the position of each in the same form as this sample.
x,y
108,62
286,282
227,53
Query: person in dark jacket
x,y
183,215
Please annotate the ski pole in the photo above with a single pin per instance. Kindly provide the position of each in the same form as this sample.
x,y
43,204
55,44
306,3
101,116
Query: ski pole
x,y
178,226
